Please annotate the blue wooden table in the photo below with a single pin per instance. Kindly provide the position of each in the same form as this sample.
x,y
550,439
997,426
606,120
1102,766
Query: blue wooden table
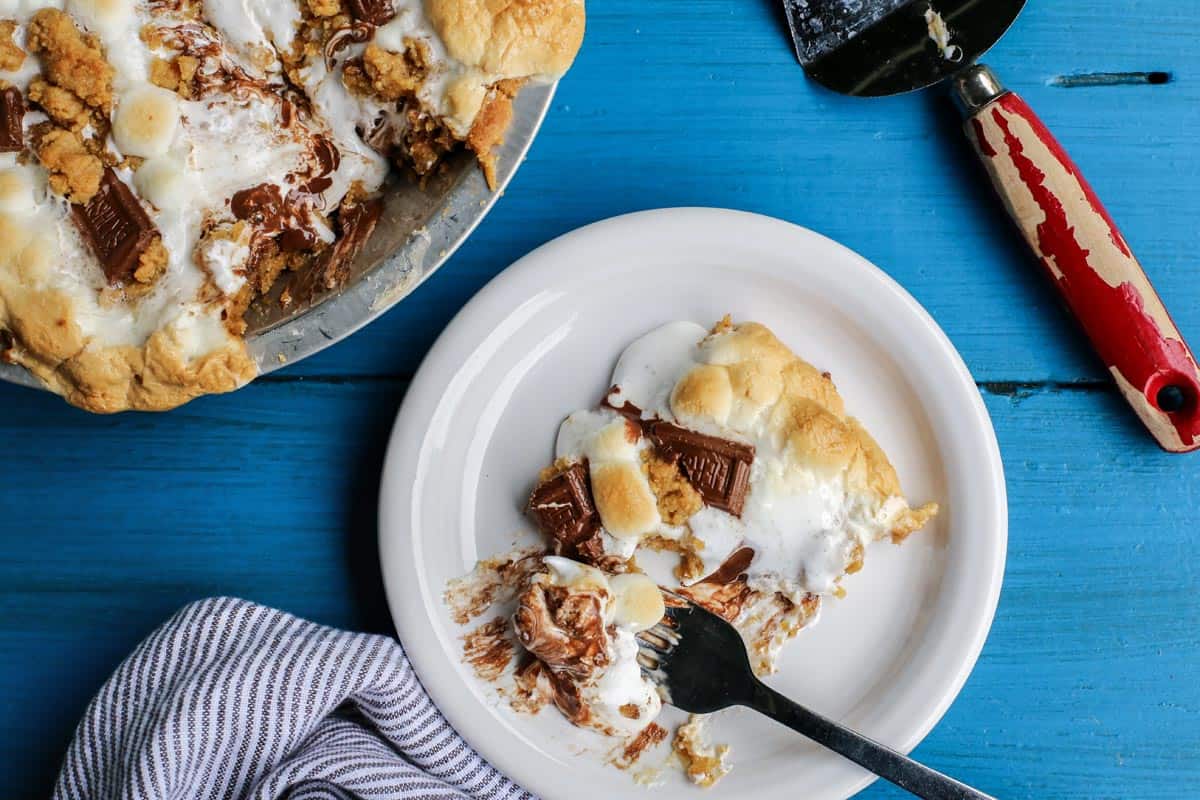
x,y
1089,686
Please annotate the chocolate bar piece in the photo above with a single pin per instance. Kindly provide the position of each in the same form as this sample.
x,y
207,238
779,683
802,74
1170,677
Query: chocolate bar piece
x,y
12,112
718,468
357,224
563,509
332,267
115,227
376,12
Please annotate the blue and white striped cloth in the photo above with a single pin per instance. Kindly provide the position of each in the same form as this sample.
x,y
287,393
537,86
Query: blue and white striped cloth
x,y
229,699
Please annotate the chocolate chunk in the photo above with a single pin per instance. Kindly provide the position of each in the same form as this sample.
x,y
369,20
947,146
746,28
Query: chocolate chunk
x,y
357,224
563,509
261,205
332,267
296,240
376,12
12,111
115,227
718,468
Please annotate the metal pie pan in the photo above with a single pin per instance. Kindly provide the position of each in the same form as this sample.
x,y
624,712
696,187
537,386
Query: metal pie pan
x,y
419,229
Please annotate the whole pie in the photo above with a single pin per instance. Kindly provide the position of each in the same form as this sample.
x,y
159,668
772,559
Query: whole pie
x,y
164,162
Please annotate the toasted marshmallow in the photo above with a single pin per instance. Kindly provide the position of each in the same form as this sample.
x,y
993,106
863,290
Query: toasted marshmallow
x,y
145,121
703,395
613,446
105,17
165,183
574,575
15,234
637,601
41,255
16,191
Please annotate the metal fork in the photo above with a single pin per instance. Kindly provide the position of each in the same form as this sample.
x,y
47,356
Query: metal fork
x,y
700,661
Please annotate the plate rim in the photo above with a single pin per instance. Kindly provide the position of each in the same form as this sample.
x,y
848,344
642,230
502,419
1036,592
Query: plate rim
x,y
427,387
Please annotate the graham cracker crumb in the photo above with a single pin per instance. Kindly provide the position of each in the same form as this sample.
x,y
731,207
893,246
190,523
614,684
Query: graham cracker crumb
x,y
677,498
355,79
856,559
60,105
355,194
175,75
704,764
324,8
11,56
75,172
487,132
661,544
152,36
396,75
187,66
71,59
426,141
164,74
559,466
152,262
235,310
691,566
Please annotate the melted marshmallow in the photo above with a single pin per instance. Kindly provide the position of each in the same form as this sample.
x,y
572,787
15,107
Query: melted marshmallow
x,y
803,524
633,604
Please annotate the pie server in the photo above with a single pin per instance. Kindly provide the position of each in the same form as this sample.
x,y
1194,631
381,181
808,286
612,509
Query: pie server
x,y
880,47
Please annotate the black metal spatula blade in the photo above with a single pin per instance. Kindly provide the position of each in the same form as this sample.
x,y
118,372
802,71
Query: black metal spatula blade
x,y
880,47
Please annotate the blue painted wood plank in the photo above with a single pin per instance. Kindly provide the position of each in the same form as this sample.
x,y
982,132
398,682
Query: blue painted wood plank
x,y
1089,686
708,107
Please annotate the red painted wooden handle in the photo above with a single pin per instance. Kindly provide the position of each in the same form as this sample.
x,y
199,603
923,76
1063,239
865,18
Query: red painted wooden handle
x,y
1090,263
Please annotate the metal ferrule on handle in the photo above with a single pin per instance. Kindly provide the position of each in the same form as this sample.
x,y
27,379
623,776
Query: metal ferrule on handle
x,y
1086,257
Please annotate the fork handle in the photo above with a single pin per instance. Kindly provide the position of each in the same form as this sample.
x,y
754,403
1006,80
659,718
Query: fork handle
x,y
871,755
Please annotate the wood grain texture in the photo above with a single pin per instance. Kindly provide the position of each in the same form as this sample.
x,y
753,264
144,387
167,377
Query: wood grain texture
x,y
708,107
1089,686
1089,263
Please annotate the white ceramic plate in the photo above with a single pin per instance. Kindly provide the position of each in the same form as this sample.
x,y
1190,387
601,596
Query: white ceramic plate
x,y
540,340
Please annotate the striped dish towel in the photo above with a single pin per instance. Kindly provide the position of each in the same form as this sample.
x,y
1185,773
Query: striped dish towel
x,y
229,699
